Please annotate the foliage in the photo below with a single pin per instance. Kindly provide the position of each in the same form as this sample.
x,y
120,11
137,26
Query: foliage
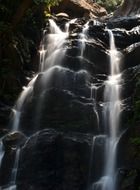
x,y
110,5
20,33
135,141
48,2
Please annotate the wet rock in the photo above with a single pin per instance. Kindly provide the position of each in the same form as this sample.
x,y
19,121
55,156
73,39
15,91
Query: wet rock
x,y
3,132
5,111
14,140
11,142
60,109
131,57
54,160
94,60
126,22
6,166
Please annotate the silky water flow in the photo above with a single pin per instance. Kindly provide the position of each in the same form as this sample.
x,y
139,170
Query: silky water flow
x,y
50,58
51,55
111,118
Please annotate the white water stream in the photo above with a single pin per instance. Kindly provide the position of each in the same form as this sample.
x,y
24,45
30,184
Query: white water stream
x,y
50,56
112,110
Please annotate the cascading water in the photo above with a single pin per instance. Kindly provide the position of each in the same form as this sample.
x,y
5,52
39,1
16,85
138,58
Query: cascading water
x,y
52,52
112,110
50,58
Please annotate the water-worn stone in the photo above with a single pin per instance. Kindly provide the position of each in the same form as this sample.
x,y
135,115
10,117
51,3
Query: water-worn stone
x,y
54,160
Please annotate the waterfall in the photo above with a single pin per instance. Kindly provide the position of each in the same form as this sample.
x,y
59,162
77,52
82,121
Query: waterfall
x,y
52,74
111,116
48,57
83,37
51,56
51,50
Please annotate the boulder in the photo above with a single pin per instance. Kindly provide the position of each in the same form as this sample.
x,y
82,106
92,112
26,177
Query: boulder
x,y
127,22
13,140
80,8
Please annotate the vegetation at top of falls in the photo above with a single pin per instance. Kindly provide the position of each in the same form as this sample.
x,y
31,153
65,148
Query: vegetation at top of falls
x,y
135,141
48,3
109,5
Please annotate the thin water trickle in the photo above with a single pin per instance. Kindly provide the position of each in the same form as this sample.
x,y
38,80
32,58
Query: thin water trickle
x,y
1,152
15,168
94,140
67,26
111,110
83,37
12,182
93,96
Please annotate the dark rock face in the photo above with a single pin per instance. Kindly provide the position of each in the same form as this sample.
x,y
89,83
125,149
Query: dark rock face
x,y
54,160
128,8
127,23
4,115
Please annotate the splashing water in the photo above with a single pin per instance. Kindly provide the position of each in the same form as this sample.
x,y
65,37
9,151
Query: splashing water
x,y
53,53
